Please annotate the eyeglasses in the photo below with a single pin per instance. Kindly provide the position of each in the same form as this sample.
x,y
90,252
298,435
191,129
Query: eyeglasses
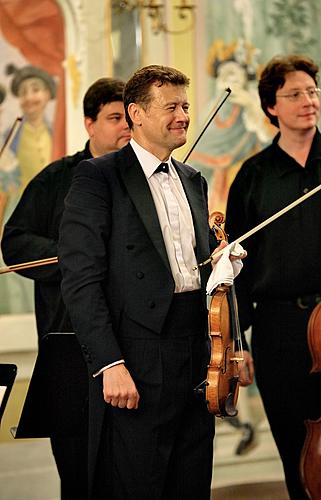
x,y
298,94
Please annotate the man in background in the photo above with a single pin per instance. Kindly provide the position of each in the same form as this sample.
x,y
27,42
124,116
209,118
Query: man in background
x,y
31,233
282,274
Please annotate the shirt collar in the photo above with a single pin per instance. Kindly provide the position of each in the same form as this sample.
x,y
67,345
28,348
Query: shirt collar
x,y
148,161
315,151
287,163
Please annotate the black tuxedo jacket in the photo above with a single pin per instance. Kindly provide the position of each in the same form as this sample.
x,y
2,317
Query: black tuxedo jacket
x,y
117,280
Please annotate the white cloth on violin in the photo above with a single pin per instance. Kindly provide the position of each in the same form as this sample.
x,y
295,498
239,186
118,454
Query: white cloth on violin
x,y
225,270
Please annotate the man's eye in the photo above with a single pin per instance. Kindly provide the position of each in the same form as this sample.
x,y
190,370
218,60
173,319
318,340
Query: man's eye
x,y
295,95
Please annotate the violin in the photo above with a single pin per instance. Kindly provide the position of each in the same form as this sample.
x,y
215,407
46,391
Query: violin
x,y
221,386
310,463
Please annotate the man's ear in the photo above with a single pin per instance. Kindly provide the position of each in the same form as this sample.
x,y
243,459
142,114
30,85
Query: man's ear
x,y
272,110
88,122
135,112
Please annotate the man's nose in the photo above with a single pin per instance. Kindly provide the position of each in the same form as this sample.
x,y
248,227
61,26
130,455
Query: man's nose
x,y
182,114
306,97
124,123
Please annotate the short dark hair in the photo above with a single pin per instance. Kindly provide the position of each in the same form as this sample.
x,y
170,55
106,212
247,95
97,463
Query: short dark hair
x,y
101,92
137,89
273,77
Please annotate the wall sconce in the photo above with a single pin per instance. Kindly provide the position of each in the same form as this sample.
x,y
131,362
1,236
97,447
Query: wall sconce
x,y
155,10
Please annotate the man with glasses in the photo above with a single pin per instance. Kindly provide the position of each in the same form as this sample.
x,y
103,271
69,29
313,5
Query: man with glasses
x,y
281,281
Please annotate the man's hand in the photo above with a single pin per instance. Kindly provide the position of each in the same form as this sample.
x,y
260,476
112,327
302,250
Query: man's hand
x,y
119,388
246,368
217,254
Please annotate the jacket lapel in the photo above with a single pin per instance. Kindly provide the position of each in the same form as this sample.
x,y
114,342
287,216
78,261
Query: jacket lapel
x,y
137,186
192,183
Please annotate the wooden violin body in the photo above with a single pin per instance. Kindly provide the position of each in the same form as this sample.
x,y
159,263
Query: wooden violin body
x,y
310,464
221,385
221,391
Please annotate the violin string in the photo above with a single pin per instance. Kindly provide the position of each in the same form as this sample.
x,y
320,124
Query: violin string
x,y
238,337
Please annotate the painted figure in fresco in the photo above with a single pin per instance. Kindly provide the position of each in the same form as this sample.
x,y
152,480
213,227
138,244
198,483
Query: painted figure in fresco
x,y
281,279
32,145
9,171
240,128
15,293
32,233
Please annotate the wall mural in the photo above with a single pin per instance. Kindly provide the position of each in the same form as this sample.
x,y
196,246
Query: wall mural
x,y
242,35
31,87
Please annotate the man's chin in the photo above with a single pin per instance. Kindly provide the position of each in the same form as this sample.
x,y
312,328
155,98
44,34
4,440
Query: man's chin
x,y
123,143
180,142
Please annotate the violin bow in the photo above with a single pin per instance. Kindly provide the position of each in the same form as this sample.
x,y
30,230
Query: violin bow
x,y
216,109
262,224
28,265
11,135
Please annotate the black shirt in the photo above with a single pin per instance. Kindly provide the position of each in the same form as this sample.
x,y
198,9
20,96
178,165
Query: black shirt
x,y
283,258
31,233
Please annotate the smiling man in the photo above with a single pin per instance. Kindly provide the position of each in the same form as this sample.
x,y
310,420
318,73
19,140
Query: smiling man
x,y
134,226
282,275
32,233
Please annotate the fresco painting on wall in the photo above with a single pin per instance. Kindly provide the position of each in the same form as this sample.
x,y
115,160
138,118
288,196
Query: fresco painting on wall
x,y
242,35
240,129
32,87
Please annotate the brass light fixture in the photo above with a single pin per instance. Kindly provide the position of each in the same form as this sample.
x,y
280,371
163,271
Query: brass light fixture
x,y
156,11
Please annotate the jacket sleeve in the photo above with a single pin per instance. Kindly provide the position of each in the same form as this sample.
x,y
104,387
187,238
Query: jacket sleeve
x,y
83,258
26,235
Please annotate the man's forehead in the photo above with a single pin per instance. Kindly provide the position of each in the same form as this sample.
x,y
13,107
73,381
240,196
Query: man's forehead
x,y
168,92
112,106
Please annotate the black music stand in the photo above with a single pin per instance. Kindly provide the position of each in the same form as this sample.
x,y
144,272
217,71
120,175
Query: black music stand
x,y
8,374
57,399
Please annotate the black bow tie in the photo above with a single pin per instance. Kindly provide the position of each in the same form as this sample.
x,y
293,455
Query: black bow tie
x,y
163,167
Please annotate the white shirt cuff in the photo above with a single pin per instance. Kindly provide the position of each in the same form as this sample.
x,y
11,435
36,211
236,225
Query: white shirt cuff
x,y
121,361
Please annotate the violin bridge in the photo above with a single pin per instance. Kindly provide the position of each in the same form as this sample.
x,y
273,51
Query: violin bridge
x,y
236,359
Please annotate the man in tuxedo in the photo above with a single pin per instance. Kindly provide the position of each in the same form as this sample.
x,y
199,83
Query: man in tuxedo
x,y
135,224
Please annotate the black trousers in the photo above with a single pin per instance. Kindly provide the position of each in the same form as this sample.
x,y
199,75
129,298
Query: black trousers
x,y
164,449
290,394
71,456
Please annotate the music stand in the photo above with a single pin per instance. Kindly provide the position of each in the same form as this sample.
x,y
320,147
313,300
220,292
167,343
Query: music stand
x,y
57,399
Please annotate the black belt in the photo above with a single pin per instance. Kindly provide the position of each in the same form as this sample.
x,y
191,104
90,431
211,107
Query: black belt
x,y
302,302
